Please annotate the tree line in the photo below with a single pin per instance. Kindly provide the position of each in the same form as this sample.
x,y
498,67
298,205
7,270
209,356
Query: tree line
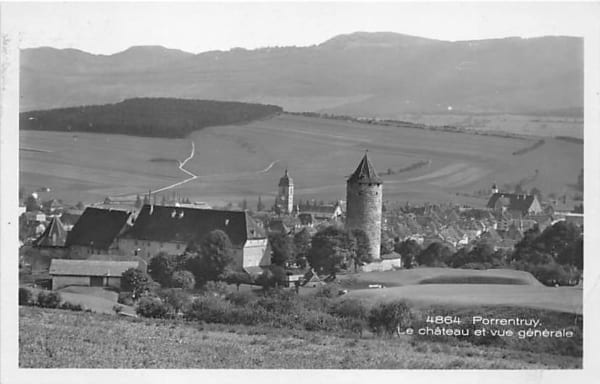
x,y
154,117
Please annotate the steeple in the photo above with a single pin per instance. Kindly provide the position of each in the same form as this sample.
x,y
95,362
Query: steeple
x,y
286,180
365,172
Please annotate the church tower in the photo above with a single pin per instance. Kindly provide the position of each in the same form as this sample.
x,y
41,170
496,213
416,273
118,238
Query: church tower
x,y
285,196
363,204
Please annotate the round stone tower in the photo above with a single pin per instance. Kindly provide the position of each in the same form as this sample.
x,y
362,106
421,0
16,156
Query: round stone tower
x,y
285,196
363,204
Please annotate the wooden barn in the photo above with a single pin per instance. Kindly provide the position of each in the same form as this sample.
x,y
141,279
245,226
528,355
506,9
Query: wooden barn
x,y
89,273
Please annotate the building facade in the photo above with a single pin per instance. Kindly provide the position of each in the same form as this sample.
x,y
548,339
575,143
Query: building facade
x,y
364,191
171,229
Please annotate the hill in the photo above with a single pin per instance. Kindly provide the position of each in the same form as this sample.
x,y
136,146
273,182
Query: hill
x,y
154,117
363,74
234,162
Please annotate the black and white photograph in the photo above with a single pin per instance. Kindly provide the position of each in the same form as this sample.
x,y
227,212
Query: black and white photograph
x,y
282,186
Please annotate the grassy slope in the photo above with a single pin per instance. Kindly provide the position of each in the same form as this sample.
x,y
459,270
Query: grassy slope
x,y
492,287
418,275
320,154
54,338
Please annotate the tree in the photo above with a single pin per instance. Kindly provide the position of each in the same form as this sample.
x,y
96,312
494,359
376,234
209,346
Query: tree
x,y
80,205
182,279
135,280
435,255
237,278
260,206
330,250
282,248
302,242
32,203
387,243
161,268
409,250
214,255
358,246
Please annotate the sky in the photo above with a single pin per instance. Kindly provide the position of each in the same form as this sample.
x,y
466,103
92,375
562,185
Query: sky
x,y
106,28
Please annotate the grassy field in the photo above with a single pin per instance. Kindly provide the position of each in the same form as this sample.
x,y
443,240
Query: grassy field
x,y
91,298
423,275
244,161
64,339
565,299
462,287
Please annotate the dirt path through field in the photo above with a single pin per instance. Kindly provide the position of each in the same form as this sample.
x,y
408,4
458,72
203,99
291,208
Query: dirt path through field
x,y
181,167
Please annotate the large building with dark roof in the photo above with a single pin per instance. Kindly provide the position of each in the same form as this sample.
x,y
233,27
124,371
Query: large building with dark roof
x,y
518,205
170,229
96,231
364,190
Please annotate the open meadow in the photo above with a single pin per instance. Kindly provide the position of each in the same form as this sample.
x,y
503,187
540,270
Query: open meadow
x,y
245,161
423,287
50,338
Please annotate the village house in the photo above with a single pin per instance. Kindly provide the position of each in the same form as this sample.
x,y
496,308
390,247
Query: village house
x,y
322,212
96,231
171,229
89,273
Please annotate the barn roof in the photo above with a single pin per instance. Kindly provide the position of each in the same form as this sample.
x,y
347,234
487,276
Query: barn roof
x,y
183,224
512,201
365,173
97,228
54,236
66,267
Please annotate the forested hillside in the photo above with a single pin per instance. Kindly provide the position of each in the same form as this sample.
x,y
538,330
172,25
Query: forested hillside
x,y
156,117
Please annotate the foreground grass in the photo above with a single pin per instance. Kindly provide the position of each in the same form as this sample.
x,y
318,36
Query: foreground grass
x,y
63,339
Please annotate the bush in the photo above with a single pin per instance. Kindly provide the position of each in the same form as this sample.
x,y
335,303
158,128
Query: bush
x,y
241,298
390,317
183,279
50,299
210,309
327,290
176,298
135,280
318,321
125,298
117,308
349,309
216,288
25,297
266,279
152,307
71,307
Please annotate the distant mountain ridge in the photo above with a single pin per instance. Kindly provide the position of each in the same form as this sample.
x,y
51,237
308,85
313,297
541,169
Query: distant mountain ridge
x,y
360,74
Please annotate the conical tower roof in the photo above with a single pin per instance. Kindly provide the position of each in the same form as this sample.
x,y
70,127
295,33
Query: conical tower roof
x,y
54,236
286,180
365,173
